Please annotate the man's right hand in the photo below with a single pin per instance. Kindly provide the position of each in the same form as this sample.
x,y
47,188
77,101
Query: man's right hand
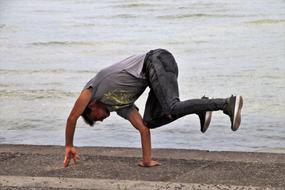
x,y
70,153
152,163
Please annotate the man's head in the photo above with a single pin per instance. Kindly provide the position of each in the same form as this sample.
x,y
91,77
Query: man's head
x,y
95,111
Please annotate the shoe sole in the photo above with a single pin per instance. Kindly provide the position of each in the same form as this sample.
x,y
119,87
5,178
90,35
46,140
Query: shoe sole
x,y
208,118
237,113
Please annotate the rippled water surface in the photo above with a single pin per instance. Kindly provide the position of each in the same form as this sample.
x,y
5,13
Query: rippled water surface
x,y
50,49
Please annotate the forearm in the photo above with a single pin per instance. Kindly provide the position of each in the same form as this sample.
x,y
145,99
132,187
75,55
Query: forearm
x,y
69,132
146,145
137,121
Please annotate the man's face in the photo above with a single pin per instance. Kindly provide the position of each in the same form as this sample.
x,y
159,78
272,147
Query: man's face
x,y
99,112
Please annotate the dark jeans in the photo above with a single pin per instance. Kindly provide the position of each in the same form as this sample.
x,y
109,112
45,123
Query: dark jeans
x,y
163,104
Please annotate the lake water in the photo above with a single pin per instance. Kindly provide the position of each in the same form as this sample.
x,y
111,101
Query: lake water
x,y
50,49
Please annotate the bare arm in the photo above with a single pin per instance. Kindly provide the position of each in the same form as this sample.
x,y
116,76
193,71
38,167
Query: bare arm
x,y
137,121
78,108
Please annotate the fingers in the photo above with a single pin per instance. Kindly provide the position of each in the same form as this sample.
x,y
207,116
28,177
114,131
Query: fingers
x,y
157,164
70,156
141,164
75,157
66,161
152,163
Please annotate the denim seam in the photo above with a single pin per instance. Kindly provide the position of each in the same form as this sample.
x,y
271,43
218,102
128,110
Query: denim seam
x,y
161,91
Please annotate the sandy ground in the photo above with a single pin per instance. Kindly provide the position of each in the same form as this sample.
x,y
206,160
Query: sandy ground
x,y
41,167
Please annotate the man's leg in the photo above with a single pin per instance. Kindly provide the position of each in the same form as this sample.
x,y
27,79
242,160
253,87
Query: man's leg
x,y
191,106
161,95
153,114
162,73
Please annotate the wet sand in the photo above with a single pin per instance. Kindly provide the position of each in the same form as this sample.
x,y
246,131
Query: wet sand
x,y
41,167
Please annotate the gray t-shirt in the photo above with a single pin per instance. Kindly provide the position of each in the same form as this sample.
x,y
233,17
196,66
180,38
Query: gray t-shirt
x,y
120,85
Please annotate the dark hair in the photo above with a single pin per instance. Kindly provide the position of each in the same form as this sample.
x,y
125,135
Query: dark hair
x,y
85,114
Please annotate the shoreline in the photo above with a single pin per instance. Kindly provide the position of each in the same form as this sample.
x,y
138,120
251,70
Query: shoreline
x,y
109,167
272,150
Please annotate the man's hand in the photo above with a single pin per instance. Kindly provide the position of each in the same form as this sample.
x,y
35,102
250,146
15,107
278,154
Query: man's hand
x,y
70,153
149,164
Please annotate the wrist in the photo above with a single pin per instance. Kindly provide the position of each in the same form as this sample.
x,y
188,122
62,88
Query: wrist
x,y
146,161
68,145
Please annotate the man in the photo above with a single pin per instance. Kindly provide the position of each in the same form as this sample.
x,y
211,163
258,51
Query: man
x,y
117,87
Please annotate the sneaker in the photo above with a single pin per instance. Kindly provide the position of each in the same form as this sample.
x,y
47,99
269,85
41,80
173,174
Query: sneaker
x,y
205,118
233,109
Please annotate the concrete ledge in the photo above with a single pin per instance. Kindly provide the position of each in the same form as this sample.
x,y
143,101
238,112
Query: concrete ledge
x,y
106,184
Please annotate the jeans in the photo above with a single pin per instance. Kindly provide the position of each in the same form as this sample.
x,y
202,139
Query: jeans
x,y
163,104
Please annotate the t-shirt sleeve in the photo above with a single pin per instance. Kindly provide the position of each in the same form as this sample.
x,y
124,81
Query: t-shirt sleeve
x,y
125,112
89,84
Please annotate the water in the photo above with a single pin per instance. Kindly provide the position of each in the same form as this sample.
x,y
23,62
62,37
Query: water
x,y
50,49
